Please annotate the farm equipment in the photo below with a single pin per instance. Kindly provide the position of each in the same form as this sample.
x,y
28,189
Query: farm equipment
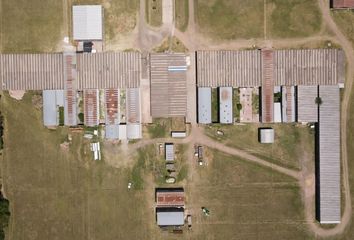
x,y
205,211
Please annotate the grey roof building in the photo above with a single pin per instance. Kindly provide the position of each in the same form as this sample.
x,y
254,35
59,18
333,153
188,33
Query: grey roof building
x,y
170,216
328,182
225,100
204,105
169,152
87,22
112,131
168,73
52,100
307,108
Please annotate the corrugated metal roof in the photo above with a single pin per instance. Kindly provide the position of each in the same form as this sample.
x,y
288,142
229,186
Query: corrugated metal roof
x,y
170,198
307,109
70,108
87,22
229,68
204,105
329,155
111,102
133,105
308,67
171,217
267,86
225,100
31,71
168,86
91,107
108,70
289,67
288,103
169,152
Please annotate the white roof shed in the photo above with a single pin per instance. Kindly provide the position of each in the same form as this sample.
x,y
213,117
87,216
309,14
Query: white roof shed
x,y
87,22
204,105
266,135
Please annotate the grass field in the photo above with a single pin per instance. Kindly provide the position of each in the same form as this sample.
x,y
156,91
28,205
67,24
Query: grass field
x,y
30,26
291,142
154,12
55,193
246,201
292,18
181,14
119,15
224,19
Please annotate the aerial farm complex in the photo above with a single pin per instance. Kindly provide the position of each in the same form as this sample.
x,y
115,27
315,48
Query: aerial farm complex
x,y
123,91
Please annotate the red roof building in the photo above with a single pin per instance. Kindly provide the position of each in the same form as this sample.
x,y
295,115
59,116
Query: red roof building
x,y
173,197
338,4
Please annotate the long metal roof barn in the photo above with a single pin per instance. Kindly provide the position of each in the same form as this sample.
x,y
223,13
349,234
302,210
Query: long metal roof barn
x,y
229,68
329,197
108,70
290,67
91,107
31,71
168,85
204,105
87,22
309,67
267,105
342,4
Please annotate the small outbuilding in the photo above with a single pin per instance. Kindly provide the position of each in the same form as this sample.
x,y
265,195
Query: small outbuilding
x,y
225,100
266,135
169,152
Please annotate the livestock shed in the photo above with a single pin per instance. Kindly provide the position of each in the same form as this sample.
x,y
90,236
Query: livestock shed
x,y
87,22
91,107
170,216
70,108
328,158
52,100
108,70
133,105
168,85
43,71
285,67
204,105
111,106
342,4
169,152
309,67
225,101
307,109
266,135
267,105
170,197
288,104
229,68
